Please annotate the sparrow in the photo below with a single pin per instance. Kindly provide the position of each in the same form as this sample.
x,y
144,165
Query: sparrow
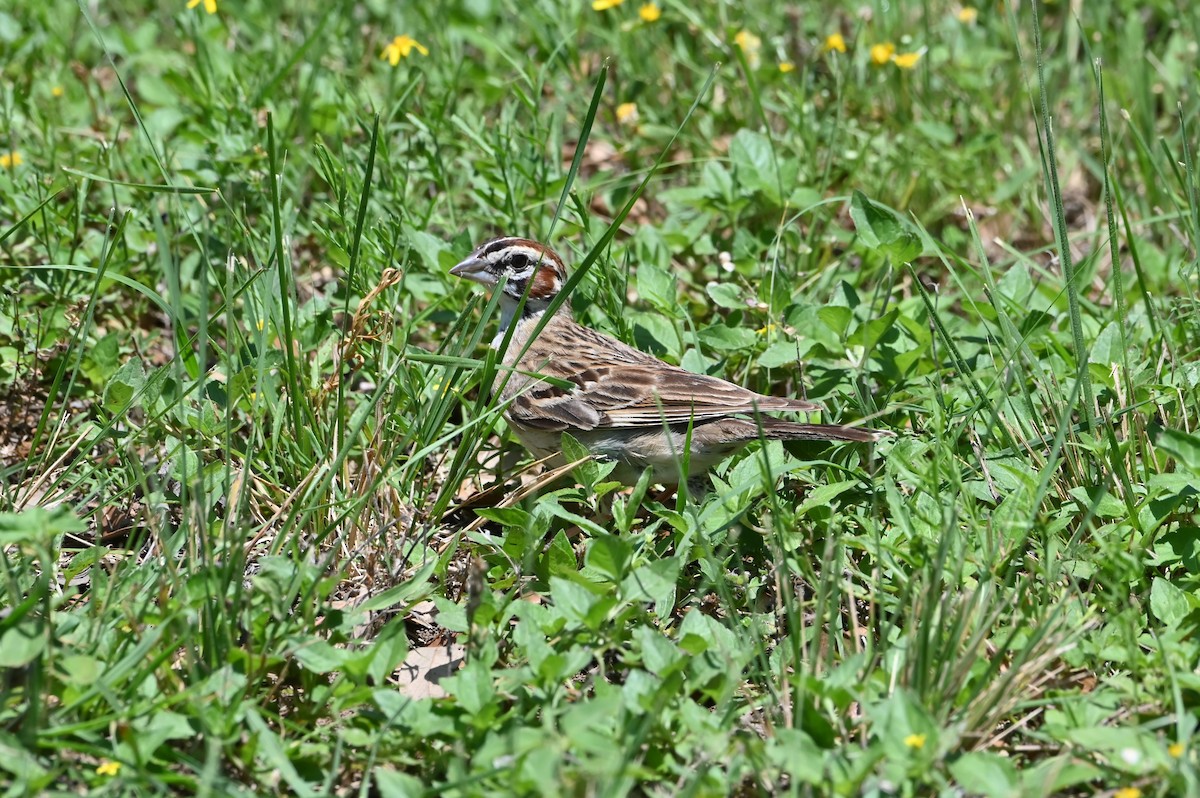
x,y
623,404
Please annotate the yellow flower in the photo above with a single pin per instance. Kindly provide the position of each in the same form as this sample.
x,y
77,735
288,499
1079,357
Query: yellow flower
x,y
10,160
107,768
906,60
649,12
915,741
1176,750
967,15
604,5
57,91
1128,792
882,53
627,112
786,67
402,47
835,41
210,6
750,45
747,41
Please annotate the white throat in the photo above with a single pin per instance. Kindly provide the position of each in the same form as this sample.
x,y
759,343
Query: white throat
x,y
508,312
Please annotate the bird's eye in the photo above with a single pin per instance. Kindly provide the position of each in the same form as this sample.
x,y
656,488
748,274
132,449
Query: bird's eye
x,y
518,262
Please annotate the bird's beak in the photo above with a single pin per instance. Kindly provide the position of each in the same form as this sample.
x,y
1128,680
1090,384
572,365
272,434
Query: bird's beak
x,y
475,270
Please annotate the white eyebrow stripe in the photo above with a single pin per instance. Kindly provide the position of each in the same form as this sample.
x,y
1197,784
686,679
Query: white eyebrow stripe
x,y
535,255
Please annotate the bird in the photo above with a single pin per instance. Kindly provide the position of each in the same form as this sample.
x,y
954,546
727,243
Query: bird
x,y
622,404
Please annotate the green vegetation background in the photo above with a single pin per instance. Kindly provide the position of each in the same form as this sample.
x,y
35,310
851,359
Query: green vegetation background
x,y
242,434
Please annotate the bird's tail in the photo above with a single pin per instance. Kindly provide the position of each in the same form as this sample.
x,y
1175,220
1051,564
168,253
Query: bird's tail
x,y
778,429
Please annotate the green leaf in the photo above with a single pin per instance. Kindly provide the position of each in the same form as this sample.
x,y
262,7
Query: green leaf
x,y
882,229
803,198
573,600
80,669
728,339
1016,284
726,295
428,247
869,334
608,554
124,385
505,516
37,525
1168,603
823,495
319,656
22,644
413,588
785,353
394,784
797,755
103,358
659,655
655,581
1107,348
753,163
1059,774
10,29
654,332
84,560
560,557
18,760
837,318
472,686
986,774
1182,446
717,181
657,286
388,649
152,731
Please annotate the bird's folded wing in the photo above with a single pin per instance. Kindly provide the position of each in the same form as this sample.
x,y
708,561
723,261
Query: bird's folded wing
x,y
637,395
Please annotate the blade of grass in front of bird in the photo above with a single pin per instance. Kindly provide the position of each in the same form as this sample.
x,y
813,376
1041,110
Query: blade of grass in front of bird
x,y
284,278
1058,215
355,257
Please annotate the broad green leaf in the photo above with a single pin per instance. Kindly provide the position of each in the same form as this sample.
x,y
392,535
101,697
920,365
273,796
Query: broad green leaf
x,y
726,295
428,247
22,644
869,334
987,774
656,286
724,338
823,495
837,318
717,182
560,556
319,656
1107,348
608,554
124,385
394,784
80,669
880,228
1184,447
659,655
573,600
753,164
1169,604
1016,284
37,525
796,754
